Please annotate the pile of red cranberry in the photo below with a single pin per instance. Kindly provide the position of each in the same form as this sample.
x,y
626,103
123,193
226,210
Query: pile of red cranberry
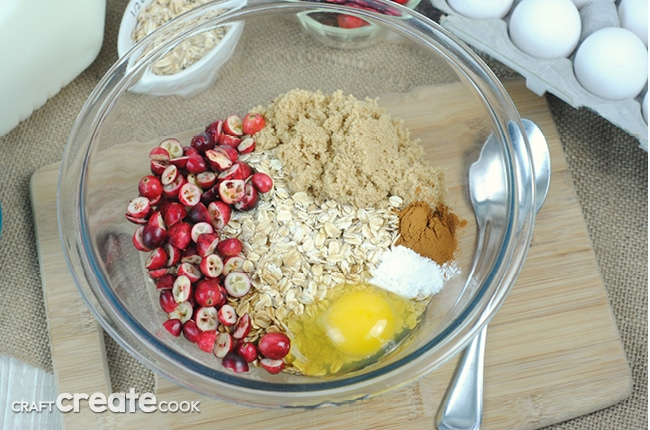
x,y
181,208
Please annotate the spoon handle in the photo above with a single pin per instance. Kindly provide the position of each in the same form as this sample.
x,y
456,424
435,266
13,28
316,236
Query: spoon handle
x,y
463,403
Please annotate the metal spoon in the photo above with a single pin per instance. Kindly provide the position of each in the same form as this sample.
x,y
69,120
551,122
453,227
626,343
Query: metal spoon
x,y
462,406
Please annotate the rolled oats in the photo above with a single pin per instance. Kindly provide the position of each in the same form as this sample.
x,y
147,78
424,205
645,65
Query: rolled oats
x,y
297,248
187,52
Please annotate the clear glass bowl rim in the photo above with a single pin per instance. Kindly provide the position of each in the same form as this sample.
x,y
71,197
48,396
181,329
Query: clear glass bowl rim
x,y
162,359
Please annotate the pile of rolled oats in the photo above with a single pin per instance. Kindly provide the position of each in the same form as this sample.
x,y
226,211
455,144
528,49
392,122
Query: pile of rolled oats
x,y
189,51
298,248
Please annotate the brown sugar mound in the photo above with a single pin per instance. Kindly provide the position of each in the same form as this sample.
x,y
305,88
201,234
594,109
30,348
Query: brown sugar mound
x,y
338,147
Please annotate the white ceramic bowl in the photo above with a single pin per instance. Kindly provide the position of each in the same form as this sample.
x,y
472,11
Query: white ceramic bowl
x,y
189,80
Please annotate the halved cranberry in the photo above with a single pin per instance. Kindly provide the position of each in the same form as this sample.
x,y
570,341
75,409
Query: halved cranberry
x,y
247,145
203,142
167,302
196,164
229,246
171,190
138,207
211,266
233,125
199,213
173,254
243,327
220,214
206,340
233,264
157,220
206,244
206,319
165,282
190,270
249,200
138,241
159,154
180,162
201,228
235,363
189,195
228,140
153,236
191,331
172,213
272,366
232,190
223,344
180,235
214,129
218,159
157,259
174,326
206,180
173,147
227,315
158,167
181,289
230,151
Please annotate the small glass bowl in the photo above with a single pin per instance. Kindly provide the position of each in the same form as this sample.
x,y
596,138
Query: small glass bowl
x,y
330,34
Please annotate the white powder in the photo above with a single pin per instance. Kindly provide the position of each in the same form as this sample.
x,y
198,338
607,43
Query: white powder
x,y
408,274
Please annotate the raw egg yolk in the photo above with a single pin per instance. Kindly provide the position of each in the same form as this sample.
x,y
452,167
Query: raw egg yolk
x,y
360,323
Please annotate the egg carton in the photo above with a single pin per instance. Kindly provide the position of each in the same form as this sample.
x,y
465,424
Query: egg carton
x,y
556,76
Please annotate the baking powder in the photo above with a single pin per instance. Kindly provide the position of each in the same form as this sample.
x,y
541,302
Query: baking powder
x,y
408,274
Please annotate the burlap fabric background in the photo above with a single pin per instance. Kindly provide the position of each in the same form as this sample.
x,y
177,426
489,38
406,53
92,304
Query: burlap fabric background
x,y
610,174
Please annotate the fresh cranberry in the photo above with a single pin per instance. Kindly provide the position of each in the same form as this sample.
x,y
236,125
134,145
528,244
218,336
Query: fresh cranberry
x,y
150,187
274,345
252,123
247,351
208,292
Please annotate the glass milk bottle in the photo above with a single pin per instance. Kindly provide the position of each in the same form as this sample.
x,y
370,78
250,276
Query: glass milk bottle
x,y
44,44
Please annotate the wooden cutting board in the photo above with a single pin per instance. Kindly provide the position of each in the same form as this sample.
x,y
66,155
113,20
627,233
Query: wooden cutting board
x,y
553,352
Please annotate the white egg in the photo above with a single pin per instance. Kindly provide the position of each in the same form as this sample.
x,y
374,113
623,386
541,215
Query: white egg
x,y
612,63
545,28
644,107
481,9
633,15
580,3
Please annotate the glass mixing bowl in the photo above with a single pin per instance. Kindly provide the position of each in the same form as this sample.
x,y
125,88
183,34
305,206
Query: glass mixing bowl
x,y
447,98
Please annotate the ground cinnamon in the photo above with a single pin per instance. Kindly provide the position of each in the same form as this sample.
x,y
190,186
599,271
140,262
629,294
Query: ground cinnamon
x,y
429,232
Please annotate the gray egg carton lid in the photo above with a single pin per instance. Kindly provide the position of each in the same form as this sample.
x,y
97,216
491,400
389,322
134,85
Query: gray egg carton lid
x,y
556,76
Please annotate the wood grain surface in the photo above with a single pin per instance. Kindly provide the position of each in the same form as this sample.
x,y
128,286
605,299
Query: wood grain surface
x,y
553,350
